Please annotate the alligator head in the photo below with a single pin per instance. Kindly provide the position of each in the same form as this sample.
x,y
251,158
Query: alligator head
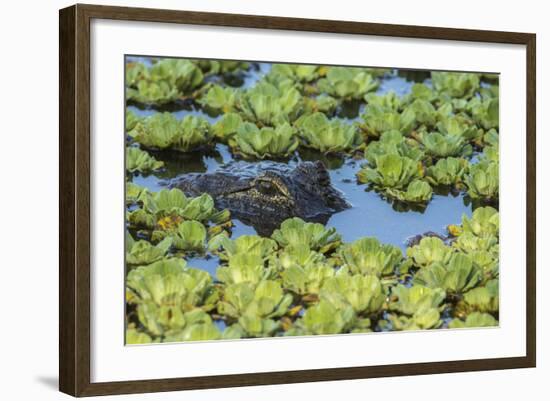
x,y
265,194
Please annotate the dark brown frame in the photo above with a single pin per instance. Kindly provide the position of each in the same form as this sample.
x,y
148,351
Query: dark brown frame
x,y
74,199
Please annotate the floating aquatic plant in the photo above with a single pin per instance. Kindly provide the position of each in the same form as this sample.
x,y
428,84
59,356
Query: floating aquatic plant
x,y
265,142
476,319
347,82
457,276
295,232
220,98
378,119
163,131
483,181
265,104
391,171
138,160
364,293
418,191
455,84
430,250
448,171
439,145
143,252
318,132
369,256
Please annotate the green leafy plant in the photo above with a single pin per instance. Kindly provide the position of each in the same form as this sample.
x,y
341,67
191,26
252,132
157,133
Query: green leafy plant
x,y
190,235
254,306
476,319
295,232
457,276
455,85
365,294
423,319
165,290
304,279
448,171
369,256
325,318
227,248
418,191
143,252
412,300
391,171
378,119
318,132
485,112
220,98
393,142
440,145
346,82
267,142
265,104
227,126
138,160
430,250
164,82
244,268
164,131
483,181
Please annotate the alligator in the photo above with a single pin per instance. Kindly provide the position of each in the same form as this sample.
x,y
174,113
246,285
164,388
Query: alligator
x,y
264,194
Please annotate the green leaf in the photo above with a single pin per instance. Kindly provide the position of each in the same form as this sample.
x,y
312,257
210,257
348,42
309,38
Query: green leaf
x,y
138,160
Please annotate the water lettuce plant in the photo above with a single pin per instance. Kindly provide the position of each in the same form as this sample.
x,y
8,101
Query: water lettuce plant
x,y
297,72
244,268
164,82
227,248
325,318
220,98
418,191
483,181
266,142
412,300
391,171
138,160
142,252
422,319
378,119
165,291
457,276
449,171
369,256
347,82
227,126
254,306
328,136
439,145
393,142
164,131
475,319
455,84
483,299
364,293
428,251
190,235
296,232
485,112
306,279
265,104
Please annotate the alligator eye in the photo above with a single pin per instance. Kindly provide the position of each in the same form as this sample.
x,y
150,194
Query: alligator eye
x,y
267,188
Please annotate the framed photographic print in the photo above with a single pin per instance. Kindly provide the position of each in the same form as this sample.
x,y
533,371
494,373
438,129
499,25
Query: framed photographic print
x,y
250,200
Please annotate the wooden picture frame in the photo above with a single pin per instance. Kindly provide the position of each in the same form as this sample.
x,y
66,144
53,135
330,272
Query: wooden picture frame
x,y
75,206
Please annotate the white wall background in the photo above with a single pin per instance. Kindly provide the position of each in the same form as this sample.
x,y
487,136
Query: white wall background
x,y
29,184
